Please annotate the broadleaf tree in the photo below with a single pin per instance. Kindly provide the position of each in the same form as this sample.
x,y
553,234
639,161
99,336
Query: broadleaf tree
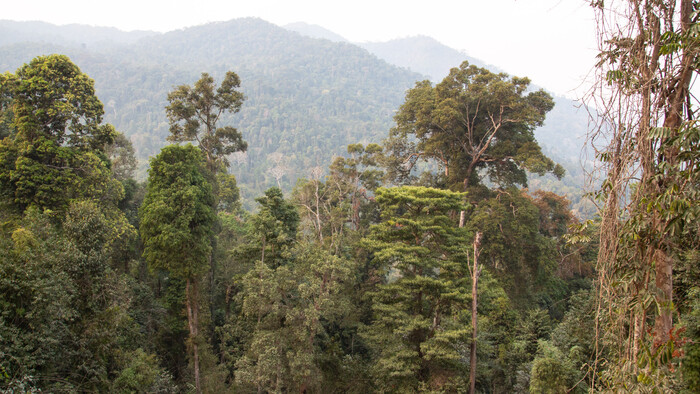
x,y
54,146
471,121
193,113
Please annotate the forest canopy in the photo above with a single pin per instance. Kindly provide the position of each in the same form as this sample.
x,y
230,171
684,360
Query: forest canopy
x,y
418,264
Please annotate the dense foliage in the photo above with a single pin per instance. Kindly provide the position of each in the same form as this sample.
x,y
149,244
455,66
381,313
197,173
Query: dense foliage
x,y
379,274
306,99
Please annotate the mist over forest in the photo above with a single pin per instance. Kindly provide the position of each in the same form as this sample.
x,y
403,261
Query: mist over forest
x,y
245,207
306,99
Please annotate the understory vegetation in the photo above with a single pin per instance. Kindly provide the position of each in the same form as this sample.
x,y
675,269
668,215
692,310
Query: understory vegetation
x,y
421,264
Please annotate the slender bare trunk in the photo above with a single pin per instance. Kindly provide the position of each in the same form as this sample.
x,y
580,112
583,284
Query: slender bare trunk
x,y
472,346
193,322
318,213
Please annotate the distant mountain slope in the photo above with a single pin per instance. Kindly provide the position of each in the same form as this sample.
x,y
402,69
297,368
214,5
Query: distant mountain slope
x,y
307,99
314,31
12,32
421,54
565,125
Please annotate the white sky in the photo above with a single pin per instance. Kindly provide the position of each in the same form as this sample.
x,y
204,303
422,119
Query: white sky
x,y
550,41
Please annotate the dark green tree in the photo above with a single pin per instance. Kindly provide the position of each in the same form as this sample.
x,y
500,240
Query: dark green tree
x,y
473,120
421,304
289,308
515,251
64,312
176,227
194,113
273,231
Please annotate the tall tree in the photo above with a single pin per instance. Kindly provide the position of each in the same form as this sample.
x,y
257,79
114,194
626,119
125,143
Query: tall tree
x,y
53,100
54,149
176,226
474,119
194,112
648,56
418,324
274,230
289,307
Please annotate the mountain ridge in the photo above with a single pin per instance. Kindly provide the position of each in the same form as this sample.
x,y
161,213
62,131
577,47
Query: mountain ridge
x,y
307,98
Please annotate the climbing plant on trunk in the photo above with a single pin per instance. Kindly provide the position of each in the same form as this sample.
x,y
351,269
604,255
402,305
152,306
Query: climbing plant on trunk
x,y
648,58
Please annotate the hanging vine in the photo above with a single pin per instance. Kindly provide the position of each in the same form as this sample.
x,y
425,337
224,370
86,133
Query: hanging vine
x,y
644,139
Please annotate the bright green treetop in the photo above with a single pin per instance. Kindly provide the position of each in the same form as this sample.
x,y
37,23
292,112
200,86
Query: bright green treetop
x,y
53,150
53,99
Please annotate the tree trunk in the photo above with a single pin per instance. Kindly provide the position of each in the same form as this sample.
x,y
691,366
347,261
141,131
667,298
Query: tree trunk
x,y
664,283
674,119
193,322
472,346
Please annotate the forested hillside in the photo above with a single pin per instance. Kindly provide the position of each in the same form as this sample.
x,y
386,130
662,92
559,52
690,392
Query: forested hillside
x,y
400,247
170,286
306,99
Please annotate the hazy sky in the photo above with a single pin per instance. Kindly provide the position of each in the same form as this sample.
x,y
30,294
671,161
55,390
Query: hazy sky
x,y
550,41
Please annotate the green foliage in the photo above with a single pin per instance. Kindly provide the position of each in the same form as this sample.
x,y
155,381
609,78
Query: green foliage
x,y
56,151
306,99
177,215
347,287
418,326
63,308
289,307
193,114
273,232
53,99
691,361
512,247
228,194
472,121
552,372
142,374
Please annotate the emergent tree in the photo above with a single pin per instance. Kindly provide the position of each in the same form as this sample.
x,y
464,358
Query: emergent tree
x,y
474,119
176,226
194,112
421,302
54,146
